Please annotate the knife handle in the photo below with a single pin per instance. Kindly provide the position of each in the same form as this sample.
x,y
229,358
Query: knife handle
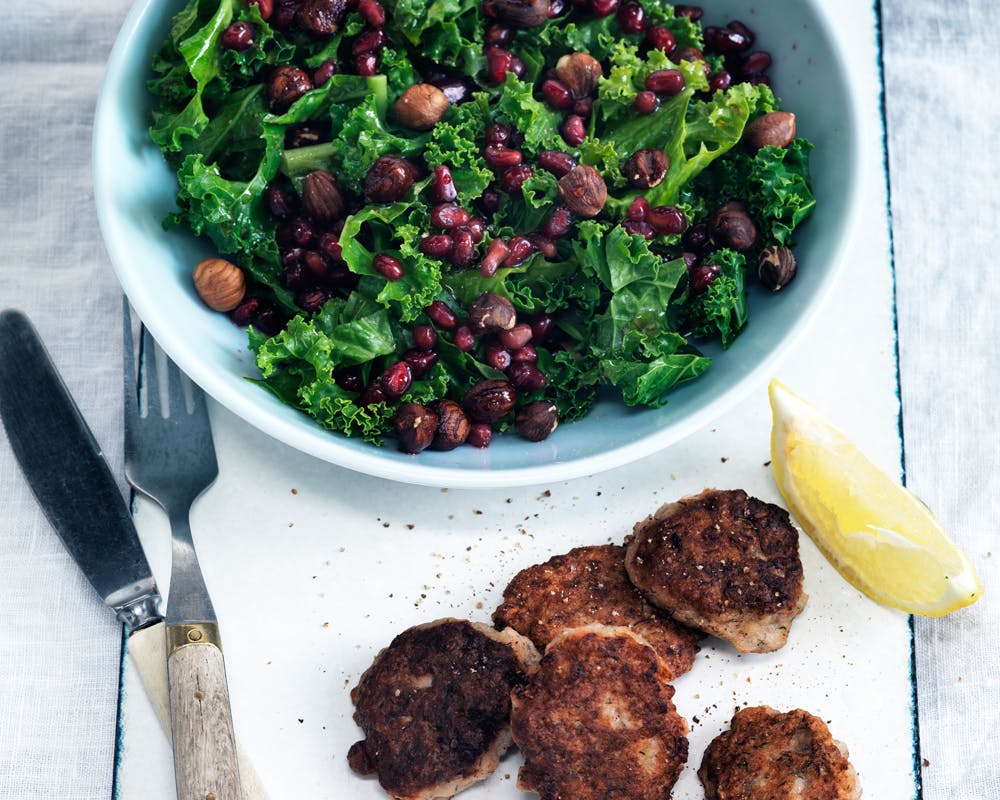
x,y
201,721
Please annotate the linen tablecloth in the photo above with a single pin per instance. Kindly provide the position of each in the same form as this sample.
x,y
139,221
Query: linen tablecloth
x,y
60,648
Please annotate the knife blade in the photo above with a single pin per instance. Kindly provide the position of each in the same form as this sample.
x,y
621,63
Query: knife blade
x,y
70,477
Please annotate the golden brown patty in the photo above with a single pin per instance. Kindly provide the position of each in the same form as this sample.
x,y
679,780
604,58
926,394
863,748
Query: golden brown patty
x,y
435,707
589,585
597,720
722,562
767,755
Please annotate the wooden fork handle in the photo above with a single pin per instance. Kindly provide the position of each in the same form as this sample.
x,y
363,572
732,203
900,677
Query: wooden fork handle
x,y
201,721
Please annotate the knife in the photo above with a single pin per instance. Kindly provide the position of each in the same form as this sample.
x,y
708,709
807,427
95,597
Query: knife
x,y
74,486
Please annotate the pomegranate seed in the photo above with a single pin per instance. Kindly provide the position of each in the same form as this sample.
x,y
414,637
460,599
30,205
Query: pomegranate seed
x,y
437,245
632,18
743,30
388,267
540,327
583,107
604,8
349,379
420,361
464,339
370,41
690,259
372,12
517,66
756,63
312,301
245,312
544,245
279,203
524,355
477,227
498,63
556,7
518,250
495,254
295,232
573,130
373,393
464,251
270,321
697,237
497,134
264,7
316,264
559,223
667,82
480,435
693,54
448,216
497,356
637,209
556,162
701,277
440,314
324,72
720,81
443,185
557,94
366,64
424,337
693,13
646,102
728,41
497,35
396,379
283,16
527,377
514,177
667,220
639,228
490,201
517,337
238,36
498,156
662,38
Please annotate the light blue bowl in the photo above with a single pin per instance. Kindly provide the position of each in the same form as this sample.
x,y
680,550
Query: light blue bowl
x,y
135,190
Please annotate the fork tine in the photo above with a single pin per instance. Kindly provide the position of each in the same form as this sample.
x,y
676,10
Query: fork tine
x,y
130,384
175,390
150,376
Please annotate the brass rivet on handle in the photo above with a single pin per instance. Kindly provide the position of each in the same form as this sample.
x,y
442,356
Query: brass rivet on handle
x,y
194,635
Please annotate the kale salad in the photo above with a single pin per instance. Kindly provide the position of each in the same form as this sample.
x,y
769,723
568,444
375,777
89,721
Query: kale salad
x,y
439,219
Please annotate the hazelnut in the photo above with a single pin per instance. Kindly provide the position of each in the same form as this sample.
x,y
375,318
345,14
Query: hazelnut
x,y
581,72
421,107
536,420
286,85
321,197
321,18
219,283
646,168
776,129
492,312
389,179
415,426
776,267
519,13
453,425
731,226
583,190
489,401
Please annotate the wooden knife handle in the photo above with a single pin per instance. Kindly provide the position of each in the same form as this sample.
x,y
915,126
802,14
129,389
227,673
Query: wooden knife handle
x,y
201,721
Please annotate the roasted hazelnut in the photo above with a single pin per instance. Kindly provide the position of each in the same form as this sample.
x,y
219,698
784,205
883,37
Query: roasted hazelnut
x,y
415,427
581,72
321,197
646,168
731,226
776,129
421,107
286,85
321,18
583,190
776,267
453,425
219,283
519,13
389,179
536,420
492,312
489,401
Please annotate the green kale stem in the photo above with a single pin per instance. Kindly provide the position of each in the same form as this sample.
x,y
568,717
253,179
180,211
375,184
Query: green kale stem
x,y
303,160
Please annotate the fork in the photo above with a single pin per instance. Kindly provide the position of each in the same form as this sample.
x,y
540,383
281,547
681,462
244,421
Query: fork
x,y
170,457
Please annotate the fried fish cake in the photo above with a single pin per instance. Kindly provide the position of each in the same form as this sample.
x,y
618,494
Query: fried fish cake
x,y
724,563
769,755
597,720
435,707
589,585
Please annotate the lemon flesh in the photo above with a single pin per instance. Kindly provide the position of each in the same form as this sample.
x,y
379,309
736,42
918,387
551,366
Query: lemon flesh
x,y
875,532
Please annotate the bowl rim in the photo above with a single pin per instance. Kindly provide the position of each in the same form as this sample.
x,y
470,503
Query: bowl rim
x,y
327,446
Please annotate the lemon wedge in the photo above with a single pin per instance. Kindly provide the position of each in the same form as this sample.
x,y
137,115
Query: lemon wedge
x,y
876,533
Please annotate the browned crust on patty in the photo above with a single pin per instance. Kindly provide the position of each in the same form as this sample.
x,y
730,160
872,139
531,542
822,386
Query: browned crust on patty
x,y
435,707
722,562
589,585
597,720
769,755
